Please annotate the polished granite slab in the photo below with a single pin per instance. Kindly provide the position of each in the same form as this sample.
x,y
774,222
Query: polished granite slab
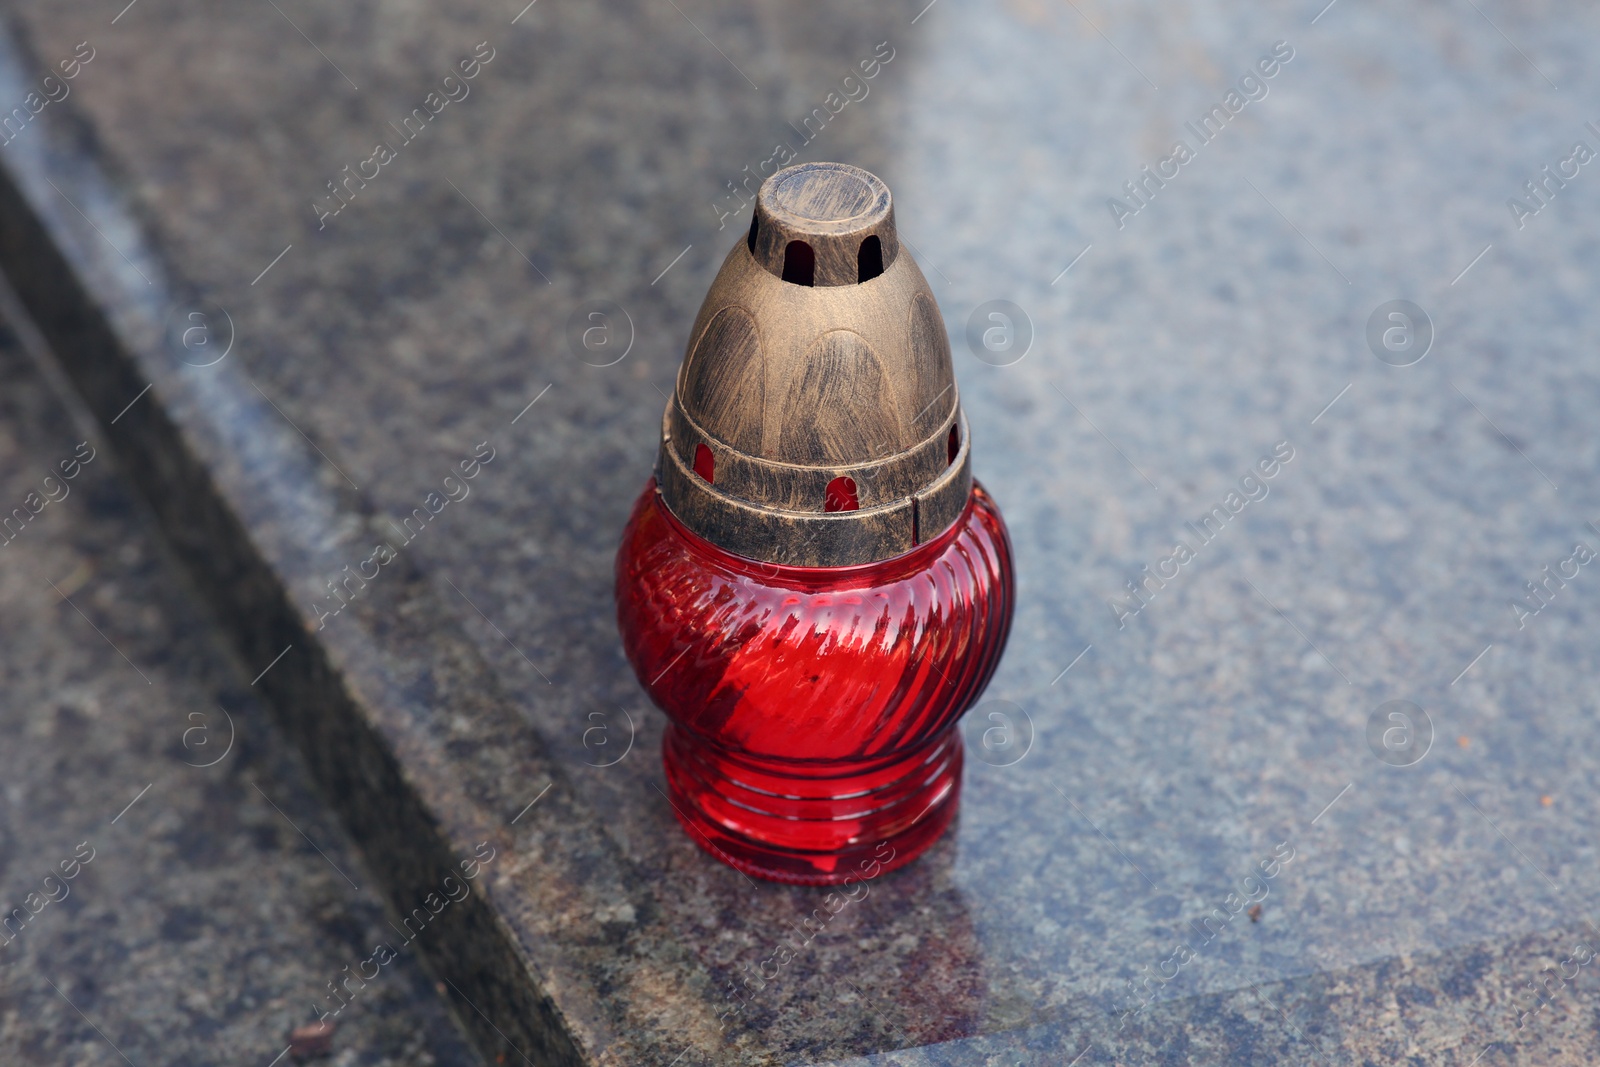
x,y
184,896
1226,316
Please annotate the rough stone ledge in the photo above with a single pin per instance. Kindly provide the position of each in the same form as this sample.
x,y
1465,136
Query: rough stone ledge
x,y
391,705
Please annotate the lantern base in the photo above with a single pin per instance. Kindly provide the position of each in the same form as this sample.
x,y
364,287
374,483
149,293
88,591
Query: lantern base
x,y
807,825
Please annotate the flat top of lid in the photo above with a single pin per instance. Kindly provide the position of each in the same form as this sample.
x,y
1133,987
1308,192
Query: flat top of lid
x,y
826,196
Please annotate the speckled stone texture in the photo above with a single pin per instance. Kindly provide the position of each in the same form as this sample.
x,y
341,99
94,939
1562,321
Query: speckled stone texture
x,y
220,896
1174,348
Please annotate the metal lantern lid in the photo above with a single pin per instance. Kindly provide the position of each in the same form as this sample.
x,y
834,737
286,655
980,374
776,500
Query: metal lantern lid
x,y
816,420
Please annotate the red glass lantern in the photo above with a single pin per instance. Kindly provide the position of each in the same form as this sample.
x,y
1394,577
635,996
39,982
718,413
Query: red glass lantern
x,y
812,587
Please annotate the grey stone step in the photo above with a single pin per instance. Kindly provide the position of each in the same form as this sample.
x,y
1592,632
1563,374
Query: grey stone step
x,y
172,889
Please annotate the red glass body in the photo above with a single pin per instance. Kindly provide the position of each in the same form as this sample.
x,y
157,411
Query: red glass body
x,y
812,732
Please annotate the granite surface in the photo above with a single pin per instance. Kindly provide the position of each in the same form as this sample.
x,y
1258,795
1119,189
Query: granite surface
x,y
1226,322
186,898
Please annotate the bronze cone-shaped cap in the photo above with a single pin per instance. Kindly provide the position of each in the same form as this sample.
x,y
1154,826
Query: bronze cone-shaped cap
x,y
816,420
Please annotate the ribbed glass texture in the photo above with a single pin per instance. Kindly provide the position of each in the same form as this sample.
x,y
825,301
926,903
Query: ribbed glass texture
x,y
812,710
